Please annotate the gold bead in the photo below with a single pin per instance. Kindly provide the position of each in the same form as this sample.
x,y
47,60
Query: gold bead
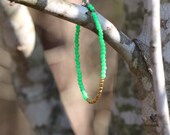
x,y
100,85
99,93
102,80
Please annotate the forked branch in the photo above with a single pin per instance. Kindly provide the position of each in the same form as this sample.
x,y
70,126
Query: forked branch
x,y
79,14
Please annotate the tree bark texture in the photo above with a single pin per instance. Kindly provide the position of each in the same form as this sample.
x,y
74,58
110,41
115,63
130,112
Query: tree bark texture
x,y
136,55
12,117
26,82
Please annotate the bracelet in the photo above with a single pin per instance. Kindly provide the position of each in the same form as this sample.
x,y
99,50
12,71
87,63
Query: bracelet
x,y
102,58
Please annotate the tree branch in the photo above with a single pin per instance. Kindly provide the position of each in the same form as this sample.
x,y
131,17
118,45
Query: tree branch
x,y
150,35
158,71
23,30
80,15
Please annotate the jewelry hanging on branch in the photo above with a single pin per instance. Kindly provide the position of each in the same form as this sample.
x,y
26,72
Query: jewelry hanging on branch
x,y
102,56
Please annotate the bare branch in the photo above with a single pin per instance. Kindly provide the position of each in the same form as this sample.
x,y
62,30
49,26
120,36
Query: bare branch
x,y
79,15
157,65
23,30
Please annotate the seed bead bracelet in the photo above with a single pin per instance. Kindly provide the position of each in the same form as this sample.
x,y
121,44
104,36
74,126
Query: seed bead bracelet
x,y
102,58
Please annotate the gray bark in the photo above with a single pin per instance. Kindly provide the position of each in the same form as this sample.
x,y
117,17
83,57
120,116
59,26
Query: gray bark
x,y
12,117
32,94
126,48
158,69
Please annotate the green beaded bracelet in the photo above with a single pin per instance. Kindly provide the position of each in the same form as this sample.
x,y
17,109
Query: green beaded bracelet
x,y
102,57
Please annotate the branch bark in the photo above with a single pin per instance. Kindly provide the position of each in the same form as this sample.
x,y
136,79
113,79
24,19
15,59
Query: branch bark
x,y
124,46
150,36
158,71
80,15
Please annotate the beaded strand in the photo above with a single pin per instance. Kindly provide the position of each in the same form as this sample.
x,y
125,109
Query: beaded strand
x,y
102,58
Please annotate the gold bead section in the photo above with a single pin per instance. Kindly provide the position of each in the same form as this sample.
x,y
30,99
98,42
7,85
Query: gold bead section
x,y
99,93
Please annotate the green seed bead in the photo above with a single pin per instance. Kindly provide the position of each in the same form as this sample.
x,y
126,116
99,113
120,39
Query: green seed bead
x,y
76,60
101,38
103,72
90,7
103,48
103,52
102,56
103,61
93,14
79,80
85,96
104,68
103,65
103,75
98,25
79,73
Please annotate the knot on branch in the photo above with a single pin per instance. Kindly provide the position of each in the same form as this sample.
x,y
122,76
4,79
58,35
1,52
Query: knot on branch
x,y
141,48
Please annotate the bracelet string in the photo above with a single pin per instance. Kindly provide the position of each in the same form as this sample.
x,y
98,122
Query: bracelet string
x,y
102,58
